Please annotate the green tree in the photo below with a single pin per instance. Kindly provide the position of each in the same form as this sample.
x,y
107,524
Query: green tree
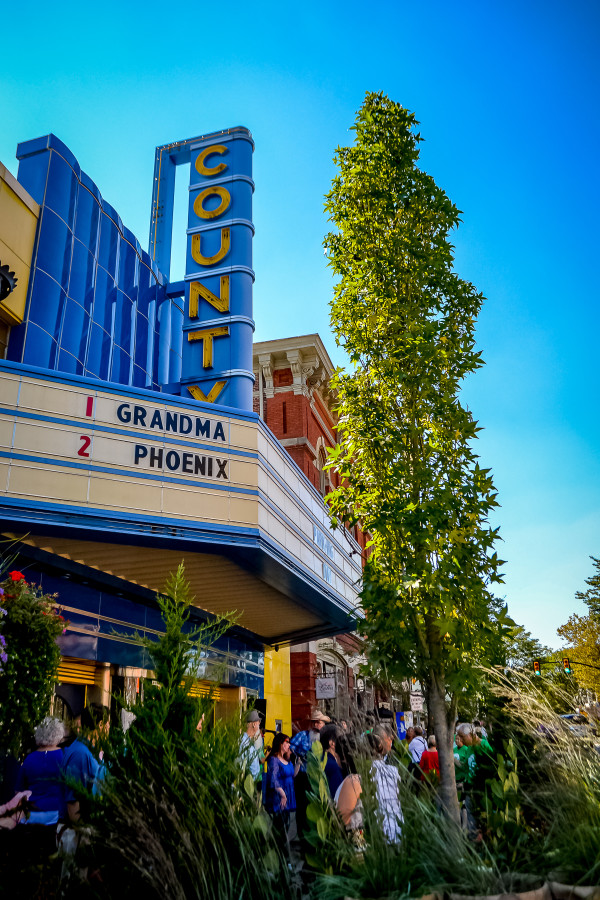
x,y
408,471
169,707
521,649
582,637
591,597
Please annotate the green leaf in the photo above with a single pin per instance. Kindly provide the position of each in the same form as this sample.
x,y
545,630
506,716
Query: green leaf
x,y
322,828
261,823
249,786
271,861
313,811
323,791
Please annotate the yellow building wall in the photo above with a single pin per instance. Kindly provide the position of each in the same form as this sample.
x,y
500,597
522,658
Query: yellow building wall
x,y
19,215
278,692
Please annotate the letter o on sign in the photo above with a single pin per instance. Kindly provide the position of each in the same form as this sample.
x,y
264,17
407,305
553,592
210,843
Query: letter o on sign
x,y
215,191
172,460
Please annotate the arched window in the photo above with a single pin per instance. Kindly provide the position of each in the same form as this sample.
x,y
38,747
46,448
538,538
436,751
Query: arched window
x,y
320,462
324,480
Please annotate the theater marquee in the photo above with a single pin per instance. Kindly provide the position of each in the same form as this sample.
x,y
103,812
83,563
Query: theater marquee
x,y
113,459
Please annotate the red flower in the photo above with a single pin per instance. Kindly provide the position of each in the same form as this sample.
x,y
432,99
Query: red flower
x,y
17,576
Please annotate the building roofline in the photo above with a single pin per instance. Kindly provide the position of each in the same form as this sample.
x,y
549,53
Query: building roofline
x,y
299,342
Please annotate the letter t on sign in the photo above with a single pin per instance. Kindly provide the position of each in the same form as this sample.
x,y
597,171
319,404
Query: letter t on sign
x,y
206,335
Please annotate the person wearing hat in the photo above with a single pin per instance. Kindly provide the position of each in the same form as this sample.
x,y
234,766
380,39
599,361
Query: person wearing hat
x,y
301,745
251,746
302,742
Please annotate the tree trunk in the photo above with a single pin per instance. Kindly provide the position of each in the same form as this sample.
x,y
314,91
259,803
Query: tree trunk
x,y
430,727
444,740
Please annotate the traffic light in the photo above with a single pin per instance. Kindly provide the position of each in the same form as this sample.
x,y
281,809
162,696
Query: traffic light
x,y
536,667
567,665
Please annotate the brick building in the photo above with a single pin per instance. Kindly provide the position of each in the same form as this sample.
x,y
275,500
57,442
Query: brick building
x,y
292,395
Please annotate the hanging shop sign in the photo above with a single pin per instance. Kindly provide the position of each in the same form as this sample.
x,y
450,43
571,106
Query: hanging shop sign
x,y
416,702
325,688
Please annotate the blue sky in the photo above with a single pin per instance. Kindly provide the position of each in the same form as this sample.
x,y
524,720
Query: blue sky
x,y
507,97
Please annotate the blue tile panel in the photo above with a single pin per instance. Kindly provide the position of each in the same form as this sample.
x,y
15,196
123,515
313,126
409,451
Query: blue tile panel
x,y
97,303
106,624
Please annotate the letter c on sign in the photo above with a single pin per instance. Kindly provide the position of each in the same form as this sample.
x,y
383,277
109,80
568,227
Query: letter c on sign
x,y
208,151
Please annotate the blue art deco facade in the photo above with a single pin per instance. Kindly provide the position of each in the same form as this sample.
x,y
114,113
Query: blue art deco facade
x,y
102,505
97,301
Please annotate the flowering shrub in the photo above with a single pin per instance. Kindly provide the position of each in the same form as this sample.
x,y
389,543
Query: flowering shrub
x,y
30,622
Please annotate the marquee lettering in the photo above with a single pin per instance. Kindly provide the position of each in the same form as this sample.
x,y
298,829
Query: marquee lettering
x,y
166,421
181,462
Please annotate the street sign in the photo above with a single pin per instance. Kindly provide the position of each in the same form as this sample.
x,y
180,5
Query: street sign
x,y
416,702
325,687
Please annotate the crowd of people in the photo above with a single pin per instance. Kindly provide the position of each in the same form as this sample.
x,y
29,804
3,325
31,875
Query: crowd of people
x,y
48,784
282,778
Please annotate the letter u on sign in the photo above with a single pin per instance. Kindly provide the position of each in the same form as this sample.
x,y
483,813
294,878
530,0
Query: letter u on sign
x,y
218,256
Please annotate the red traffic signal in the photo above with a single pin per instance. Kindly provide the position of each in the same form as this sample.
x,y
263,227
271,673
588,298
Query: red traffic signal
x,y
536,667
566,665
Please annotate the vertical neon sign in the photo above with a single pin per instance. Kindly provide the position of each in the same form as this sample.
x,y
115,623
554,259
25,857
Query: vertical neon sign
x,y
218,324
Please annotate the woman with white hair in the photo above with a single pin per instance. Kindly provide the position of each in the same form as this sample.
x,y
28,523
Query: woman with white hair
x,y
41,773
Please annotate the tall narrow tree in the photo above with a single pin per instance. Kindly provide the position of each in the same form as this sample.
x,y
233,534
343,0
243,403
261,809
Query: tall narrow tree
x,y
408,470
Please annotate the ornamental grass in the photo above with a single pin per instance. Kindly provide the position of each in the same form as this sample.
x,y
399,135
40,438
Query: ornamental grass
x,y
537,803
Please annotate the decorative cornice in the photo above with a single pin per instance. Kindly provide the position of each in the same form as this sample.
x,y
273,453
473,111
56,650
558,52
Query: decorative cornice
x,y
308,361
295,359
265,362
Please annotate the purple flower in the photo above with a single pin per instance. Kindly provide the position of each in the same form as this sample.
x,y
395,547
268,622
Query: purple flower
x,y
2,640
3,657
1,592
2,611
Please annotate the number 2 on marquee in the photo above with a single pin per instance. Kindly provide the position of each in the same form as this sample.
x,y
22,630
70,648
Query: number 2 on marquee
x,y
85,443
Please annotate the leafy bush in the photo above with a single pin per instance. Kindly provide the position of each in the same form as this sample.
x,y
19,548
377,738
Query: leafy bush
x,y
30,622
